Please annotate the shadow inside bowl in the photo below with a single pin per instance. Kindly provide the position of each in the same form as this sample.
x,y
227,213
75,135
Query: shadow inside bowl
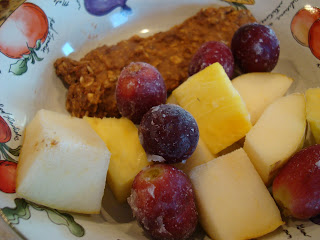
x,y
120,213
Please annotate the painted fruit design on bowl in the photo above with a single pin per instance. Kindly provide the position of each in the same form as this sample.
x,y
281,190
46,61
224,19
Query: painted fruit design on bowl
x,y
305,28
102,7
22,34
8,164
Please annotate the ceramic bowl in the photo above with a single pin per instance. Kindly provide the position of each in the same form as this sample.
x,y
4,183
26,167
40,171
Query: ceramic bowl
x,y
71,28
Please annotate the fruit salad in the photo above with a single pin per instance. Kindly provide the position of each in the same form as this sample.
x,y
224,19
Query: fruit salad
x,y
205,154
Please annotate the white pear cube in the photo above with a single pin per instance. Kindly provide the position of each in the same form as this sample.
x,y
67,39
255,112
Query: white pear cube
x,y
277,135
63,164
233,202
259,90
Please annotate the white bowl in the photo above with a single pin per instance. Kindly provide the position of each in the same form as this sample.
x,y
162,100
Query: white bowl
x,y
72,31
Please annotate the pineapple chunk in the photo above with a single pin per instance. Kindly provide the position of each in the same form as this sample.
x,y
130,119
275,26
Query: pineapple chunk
x,y
63,164
127,154
313,111
200,156
216,105
233,202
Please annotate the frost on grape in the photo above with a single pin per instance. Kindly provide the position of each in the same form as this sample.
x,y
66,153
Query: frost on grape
x,y
162,228
151,190
155,158
132,202
318,164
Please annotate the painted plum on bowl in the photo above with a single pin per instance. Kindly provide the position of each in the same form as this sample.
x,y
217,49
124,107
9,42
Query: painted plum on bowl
x,y
305,28
102,7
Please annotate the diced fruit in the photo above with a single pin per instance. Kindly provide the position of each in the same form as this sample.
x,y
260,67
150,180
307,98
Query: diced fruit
x,y
216,105
296,188
140,86
233,202
314,37
277,135
255,48
63,164
212,52
162,200
169,131
313,111
200,156
127,155
302,21
258,90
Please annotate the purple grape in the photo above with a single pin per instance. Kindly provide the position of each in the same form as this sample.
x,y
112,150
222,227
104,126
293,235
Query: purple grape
x,y
140,86
209,53
255,48
169,131
163,202
102,7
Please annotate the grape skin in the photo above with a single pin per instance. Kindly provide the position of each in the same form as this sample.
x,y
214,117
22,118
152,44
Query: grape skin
x,y
163,202
255,48
169,131
209,53
140,86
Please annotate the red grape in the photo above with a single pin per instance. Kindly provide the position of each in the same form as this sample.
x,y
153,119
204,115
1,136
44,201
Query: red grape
x,y
169,131
163,201
209,53
140,86
255,48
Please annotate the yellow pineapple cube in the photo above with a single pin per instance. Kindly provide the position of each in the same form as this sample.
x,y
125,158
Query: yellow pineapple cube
x,y
313,111
216,105
233,202
127,154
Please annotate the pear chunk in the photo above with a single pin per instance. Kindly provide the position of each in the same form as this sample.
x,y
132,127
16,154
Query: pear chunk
x,y
258,90
233,202
63,164
277,135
